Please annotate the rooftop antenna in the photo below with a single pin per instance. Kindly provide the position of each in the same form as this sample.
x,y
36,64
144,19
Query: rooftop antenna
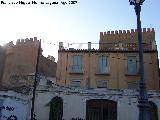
x,y
79,46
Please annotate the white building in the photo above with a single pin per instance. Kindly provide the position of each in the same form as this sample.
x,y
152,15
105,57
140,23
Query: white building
x,y
58,102
91,104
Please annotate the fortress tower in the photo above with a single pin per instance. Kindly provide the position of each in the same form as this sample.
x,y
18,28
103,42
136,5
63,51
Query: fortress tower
x,y
20,59
19,63
127,39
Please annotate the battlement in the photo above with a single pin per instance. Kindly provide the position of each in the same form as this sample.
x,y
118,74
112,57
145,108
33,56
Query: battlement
x,y
21,42
125,32
24,44
10,44
27,41
126,37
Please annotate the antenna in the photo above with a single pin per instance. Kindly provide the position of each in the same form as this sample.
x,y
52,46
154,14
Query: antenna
x,y
79,46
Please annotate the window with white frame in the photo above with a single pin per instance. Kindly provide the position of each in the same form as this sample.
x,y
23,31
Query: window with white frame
x,y
102,64
77,63
132,85
101,84
132,65
75,83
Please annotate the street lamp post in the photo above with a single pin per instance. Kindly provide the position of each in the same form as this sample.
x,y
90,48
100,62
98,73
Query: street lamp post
x,y
144,113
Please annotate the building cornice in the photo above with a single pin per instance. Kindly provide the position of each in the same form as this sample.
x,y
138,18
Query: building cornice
x,y
105,50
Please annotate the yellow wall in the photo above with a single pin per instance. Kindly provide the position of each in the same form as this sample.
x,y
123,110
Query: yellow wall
x,y
117,77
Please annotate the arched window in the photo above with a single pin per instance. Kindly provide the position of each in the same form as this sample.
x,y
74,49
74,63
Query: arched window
x,y
56,109
100,109
153,111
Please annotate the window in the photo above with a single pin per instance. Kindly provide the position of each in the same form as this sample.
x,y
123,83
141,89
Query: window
x,y
75,83
132,85
102,64
101,109
77,63
101,84
132,65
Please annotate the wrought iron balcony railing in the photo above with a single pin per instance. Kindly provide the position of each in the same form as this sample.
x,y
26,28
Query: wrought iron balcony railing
x,y
76,69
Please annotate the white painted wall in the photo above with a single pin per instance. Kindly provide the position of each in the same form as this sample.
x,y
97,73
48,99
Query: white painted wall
x,y
41,108
20,106
127,109
74,103
74,107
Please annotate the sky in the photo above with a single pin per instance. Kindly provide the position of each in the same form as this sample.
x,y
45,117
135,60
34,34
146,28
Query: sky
x,y
76,23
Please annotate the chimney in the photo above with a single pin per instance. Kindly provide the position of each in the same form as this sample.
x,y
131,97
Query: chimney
x,y
89,45
60,45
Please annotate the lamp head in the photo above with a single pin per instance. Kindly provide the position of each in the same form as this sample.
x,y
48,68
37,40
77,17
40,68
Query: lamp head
x,y
136,2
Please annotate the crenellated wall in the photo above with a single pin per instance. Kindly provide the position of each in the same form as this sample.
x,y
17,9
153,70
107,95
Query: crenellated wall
x,y
21,59
27,41
126,36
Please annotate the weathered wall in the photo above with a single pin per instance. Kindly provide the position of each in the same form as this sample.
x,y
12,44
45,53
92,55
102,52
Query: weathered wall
x,y
20,60
41,108
2,58
14,106
74,102
47,67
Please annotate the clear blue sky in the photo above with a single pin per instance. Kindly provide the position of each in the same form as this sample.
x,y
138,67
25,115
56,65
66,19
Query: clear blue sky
x,y
78,23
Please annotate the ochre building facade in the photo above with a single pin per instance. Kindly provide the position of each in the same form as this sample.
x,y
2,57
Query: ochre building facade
x,y
115,65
